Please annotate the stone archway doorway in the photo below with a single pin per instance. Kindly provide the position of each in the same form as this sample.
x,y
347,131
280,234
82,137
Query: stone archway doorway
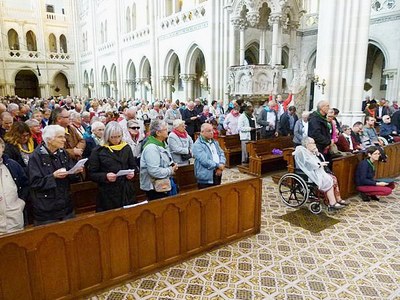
x,y
26,84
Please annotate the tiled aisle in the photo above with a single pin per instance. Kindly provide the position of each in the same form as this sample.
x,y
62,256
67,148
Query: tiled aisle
x,y
358,258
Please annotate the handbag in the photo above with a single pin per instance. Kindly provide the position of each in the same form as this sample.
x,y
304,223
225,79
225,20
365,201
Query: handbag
x,y
162,185
186,156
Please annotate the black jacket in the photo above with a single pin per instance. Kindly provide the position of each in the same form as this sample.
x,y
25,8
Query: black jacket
x,y
19,177
50,196
192,126
319,131
112,194
14,153
284,124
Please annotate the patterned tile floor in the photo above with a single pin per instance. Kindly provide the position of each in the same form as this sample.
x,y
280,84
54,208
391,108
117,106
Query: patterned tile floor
x,y
358,258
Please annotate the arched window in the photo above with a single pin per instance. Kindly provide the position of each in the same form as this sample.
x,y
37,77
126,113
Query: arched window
x,y
63,44
128,20
169,8
102,33
13,40
147,13
105,31
52,43
31,41
134,16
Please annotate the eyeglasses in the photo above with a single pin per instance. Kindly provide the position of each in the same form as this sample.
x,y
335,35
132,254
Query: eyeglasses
x,y
134,127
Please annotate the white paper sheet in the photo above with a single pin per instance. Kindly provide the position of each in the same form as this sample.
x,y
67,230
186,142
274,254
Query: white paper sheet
x,y
125,172
79,164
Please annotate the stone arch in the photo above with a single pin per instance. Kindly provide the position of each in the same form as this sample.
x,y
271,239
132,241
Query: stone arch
x,y
52,43
131,78
13,39
60,84
191,58
196,65
63,44
285,57
113,81
31,43
26,84
134,21
252,53
104,82
173,69
145,76
375,80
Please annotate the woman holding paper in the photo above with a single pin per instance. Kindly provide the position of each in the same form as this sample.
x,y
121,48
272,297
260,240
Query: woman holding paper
x,y
49,178
105,163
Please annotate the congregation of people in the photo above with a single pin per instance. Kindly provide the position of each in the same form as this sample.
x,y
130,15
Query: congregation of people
x,y
48,144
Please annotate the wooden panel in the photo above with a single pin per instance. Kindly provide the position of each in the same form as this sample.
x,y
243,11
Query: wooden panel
x,y
87,249
147,244
71,259
171,229
231,206
193,228
14,274
52,258
118,236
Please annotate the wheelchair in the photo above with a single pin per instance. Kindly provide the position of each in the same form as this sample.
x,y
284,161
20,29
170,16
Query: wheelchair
x,y
296,189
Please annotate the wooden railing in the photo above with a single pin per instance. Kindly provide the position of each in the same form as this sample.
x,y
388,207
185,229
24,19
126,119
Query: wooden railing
x,y
77,257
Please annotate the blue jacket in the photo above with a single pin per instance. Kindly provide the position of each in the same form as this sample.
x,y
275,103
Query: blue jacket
x,y
365,174
204,165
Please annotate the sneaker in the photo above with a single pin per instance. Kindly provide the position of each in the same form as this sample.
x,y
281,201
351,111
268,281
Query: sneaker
x,y
365,197
373,197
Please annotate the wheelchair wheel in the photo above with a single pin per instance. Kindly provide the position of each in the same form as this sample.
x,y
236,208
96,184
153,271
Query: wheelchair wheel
x,y
293,190
315,208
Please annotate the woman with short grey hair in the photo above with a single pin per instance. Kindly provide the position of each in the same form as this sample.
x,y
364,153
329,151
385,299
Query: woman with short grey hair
x,y
156,161
95,139
180,143
104,163
300,130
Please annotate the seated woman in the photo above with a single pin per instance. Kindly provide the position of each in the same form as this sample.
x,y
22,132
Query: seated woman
x,y
346,142
368,187
388,130
49,179
156,161
180,143
311,162
105,162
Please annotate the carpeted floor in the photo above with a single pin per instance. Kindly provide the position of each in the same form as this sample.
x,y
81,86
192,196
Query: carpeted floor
x,y
357,258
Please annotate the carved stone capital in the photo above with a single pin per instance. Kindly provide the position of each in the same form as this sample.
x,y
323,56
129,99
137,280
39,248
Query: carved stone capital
x,y
187,77
275,19
239,23
253,18
390,73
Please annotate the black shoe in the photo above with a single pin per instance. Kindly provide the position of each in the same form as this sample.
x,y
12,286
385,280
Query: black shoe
x,y
373,197
365,197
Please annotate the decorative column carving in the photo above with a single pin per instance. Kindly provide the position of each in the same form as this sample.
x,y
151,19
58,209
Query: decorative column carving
x,y
392,88
188,85
275,22
170,83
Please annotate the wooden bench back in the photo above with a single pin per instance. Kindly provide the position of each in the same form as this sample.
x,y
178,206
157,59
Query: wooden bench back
x,y
265,146
229,142
84,194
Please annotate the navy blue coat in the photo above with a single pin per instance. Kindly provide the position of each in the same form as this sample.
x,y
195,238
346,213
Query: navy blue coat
x,y
365,174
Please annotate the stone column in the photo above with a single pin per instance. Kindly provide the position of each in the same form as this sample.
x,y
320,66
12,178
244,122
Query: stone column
x,y
191,79
293,44
170,82
261,58
238,24
242,45
71,88
275,22
392,86
342,47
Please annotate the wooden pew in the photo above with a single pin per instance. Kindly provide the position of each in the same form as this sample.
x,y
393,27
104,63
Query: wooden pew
x,y
232,148
260,154
75,258
84,193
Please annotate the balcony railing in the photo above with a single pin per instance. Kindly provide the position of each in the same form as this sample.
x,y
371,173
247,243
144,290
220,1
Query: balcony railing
x,y
58,56
56,17
137,34
22,54
184,17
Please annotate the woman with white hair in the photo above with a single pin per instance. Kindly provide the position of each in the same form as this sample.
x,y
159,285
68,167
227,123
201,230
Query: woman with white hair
x,y
300,130
105,161
312,163
94,139
180,143
49,179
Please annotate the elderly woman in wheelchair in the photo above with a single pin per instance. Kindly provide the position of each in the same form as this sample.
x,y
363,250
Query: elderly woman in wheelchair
x,y
311,181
